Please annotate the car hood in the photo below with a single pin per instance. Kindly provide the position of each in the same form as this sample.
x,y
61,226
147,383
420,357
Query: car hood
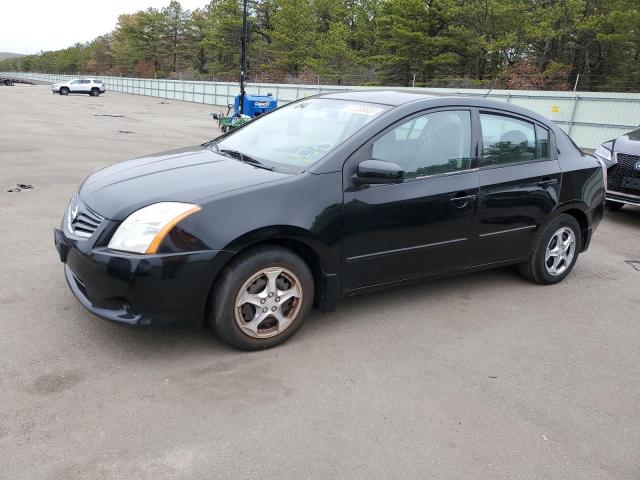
x,y
628,143
183,175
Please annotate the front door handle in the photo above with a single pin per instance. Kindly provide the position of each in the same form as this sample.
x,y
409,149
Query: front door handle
x,y
545,182
463,200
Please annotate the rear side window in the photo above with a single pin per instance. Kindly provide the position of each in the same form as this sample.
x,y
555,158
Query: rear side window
x,y
507,140
543,141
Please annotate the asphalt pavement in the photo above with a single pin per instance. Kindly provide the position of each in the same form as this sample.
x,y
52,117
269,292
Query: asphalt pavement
x,y
485,376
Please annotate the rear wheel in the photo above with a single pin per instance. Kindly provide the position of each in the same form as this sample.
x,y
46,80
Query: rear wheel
x,y
614,206
555,253
94,92
262,298
64,91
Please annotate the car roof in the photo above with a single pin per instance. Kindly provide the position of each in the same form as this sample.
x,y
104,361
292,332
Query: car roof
x,y
398,98
385,97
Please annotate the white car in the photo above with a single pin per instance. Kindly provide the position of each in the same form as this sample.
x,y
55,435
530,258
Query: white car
x,y
80,85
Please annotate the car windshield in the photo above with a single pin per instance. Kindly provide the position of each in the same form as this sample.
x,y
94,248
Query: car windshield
x,y
302,133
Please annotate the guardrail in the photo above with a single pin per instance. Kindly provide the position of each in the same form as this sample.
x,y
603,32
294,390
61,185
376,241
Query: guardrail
x,y
588,117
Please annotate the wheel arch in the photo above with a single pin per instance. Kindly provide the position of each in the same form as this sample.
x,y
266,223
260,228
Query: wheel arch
x,y
579,211
313,251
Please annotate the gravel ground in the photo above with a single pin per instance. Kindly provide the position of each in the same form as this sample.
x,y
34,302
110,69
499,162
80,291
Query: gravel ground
x,y
478,377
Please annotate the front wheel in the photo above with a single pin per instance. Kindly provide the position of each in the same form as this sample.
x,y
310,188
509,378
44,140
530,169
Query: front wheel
x,y
64,91
555,252
262,298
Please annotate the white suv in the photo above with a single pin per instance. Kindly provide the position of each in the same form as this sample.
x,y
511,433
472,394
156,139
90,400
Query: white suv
x,y
81,85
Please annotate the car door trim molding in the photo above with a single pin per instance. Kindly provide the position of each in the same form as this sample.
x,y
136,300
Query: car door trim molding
x,y
509,230
367,256
414,179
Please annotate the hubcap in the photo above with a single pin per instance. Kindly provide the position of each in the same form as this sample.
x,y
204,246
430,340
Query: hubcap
x,y
560,251
268,303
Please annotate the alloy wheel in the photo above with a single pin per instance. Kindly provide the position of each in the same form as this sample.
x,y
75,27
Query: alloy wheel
x,y
560,251
268,303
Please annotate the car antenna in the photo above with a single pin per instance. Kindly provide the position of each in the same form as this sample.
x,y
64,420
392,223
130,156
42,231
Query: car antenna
x,y
491,89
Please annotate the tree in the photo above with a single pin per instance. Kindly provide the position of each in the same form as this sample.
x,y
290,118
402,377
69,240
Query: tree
x,y
411,39
294,35
520,43
221,38
139,38
484,36
334,57
177,34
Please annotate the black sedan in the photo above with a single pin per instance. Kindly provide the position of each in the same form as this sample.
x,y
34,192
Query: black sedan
x,y
327,197
622,159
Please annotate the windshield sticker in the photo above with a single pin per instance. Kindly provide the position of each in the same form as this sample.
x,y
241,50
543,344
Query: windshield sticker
x,y
368,110
305,154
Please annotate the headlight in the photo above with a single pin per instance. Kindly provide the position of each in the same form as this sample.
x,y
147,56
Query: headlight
x,y
144,229
605,155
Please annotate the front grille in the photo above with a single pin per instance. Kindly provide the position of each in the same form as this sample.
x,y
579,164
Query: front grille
x,y
83,221
624,168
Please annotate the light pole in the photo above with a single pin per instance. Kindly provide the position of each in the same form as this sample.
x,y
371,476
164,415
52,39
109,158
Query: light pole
x,y
243,55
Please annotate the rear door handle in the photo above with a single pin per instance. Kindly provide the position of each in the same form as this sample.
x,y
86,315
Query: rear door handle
x,y
463,201
545,182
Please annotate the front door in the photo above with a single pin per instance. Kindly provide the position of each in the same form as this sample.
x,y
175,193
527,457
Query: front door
x,y
75,86
423,225
519,186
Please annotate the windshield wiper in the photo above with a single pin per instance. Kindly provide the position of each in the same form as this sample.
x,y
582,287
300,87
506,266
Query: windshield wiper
x,y
212,143
242,157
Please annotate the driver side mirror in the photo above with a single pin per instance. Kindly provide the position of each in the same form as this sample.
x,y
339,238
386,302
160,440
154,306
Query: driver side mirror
x,y
376,172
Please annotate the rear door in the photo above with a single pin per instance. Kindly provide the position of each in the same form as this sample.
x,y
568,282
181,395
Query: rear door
x,y
519,185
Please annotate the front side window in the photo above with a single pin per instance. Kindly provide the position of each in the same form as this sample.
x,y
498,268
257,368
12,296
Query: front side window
x,y
75,82
507,140
302,133
432,144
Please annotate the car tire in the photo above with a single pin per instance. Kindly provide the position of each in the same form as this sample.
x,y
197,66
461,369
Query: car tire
x,y
95,92
250,289
64,91
224,129
547,265
614,206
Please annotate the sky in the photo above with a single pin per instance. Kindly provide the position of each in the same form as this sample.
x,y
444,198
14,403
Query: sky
x,y
28,26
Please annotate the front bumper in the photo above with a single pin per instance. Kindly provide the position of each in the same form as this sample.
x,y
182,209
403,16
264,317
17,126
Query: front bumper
x,y
163,289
